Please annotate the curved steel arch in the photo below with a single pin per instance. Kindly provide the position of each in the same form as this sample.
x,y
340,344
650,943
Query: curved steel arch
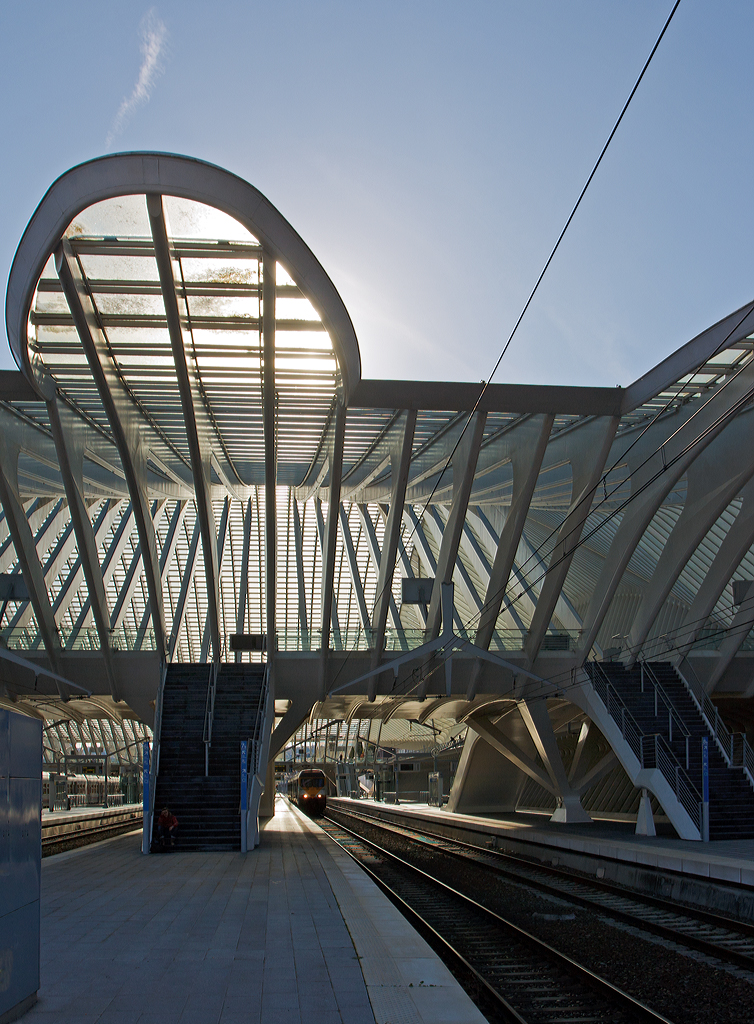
x,y
185,177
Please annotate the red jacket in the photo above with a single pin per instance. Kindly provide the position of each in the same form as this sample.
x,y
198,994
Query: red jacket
x,y
167,821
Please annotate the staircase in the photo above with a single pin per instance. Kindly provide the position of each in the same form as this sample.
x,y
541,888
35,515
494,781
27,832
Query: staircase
x,y
664,706
207,806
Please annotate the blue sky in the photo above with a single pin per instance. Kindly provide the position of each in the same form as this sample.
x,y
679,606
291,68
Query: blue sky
x,y
429,153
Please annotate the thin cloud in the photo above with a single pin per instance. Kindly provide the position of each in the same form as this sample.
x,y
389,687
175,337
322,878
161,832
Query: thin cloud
x,y
153,36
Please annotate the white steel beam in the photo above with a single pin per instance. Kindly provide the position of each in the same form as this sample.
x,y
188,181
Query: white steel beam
x,y
23,541
656,463
328,555
334,601
269,418
243,584
303,623
591,448
71,459
108,565
167,553
208,636
713,481
123,602
191,404
464,467
539,725
734,547
421,542
186,578
400,462
376,555
123,423
496,738
358,587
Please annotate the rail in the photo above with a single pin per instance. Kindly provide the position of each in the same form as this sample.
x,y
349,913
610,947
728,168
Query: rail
x,y
209,712
256,742
254,753
733,746
661,697
154,766
651,751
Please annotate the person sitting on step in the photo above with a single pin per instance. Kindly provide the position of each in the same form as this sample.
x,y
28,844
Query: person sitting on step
x,y
167,829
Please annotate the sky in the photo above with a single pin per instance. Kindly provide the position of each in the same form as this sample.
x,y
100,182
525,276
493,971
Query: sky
x,y
429,154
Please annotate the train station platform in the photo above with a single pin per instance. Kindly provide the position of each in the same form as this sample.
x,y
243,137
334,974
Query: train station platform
x,y
292,932
83,819
728,862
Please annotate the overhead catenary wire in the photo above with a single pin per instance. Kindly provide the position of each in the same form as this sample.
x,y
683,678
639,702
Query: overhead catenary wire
x,y
553,251
535,288
667,464
565,680
660,448
437,657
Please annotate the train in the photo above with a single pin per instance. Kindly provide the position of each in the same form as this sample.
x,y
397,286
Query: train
x,y
308,791
81,790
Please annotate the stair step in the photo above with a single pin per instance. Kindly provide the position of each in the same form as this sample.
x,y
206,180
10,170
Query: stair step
x,y
207,807
731,794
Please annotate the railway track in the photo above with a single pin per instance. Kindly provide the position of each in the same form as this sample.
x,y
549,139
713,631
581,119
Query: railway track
x,y
721,938
521,979
85,836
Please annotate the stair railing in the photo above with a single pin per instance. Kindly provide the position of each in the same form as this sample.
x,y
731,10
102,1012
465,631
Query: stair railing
x,y
734,747
648,748
154,769
258,748
618,711
661,698
157,731
209,712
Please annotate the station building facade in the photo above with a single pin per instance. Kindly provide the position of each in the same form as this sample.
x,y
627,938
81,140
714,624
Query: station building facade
x,y
194,472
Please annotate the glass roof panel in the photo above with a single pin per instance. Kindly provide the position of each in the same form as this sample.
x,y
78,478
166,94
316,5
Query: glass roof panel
x,y
189,219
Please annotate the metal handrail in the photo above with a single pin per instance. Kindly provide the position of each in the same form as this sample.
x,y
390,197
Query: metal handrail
x,y
255,741
209,712
618,710
662,697
647,748
254,763
155,762
734,747
157,730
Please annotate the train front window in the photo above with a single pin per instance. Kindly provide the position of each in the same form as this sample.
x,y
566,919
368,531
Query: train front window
x,y
309,779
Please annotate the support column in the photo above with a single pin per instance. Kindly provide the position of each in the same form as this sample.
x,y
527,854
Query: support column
x,y
270,448
537,720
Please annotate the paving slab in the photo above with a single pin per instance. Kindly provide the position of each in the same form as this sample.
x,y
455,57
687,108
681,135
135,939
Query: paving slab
x,y
293,931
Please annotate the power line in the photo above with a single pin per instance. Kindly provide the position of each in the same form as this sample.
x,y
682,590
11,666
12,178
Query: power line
x,y
553,251
542,273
